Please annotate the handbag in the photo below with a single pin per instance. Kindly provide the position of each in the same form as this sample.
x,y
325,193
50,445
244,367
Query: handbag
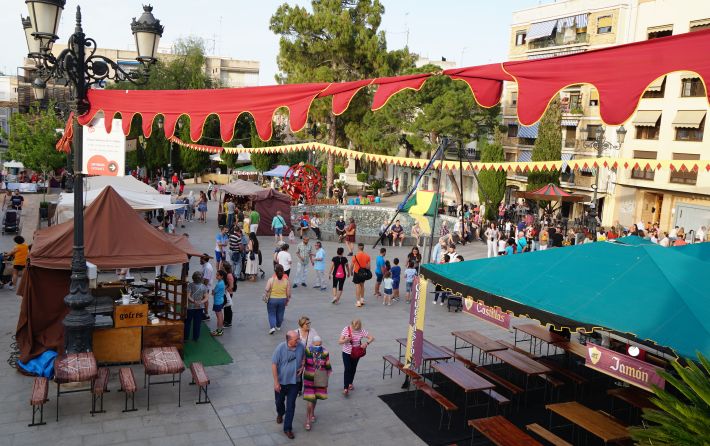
x,y
320,378
362,274
357,351
267,292
252,257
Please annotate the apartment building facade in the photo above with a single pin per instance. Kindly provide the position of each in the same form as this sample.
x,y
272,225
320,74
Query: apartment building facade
x,y
557,29
670,123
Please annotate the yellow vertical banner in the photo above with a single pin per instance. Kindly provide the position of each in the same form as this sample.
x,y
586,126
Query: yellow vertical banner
x,y
415,335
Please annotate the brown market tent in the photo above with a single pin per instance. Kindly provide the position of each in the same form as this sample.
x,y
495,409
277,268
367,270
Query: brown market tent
x,y
115,237
267,203
551,192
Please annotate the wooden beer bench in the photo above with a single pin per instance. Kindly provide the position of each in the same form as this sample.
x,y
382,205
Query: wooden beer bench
x,y
40,390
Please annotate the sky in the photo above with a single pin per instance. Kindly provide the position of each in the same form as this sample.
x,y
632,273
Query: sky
x,y
469,32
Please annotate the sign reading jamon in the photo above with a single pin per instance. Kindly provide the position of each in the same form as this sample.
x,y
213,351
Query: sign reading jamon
x,y
415,336
623,367
488,314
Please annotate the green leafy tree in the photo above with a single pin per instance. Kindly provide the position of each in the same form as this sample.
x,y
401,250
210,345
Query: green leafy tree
x,y
548,146
32,139
338,40
262,161
683,418
491,184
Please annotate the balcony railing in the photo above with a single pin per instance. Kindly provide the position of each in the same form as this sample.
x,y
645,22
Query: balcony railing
x,y
558,40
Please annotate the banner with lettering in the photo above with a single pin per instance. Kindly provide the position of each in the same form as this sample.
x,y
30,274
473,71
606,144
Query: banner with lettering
x,y
488,314
415,336
623,367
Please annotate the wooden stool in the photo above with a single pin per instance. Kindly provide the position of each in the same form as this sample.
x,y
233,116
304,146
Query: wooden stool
x,y
201,380
162,361
74,368
98,388
128,386
40,389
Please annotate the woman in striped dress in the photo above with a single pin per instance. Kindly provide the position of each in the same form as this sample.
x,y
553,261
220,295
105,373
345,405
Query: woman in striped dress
x,y
317,358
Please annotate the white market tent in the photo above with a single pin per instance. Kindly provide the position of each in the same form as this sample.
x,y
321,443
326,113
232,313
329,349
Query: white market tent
x,y
13,165
278,171
139,195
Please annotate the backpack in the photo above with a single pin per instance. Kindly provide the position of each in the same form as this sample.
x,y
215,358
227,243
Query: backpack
x,y
340,270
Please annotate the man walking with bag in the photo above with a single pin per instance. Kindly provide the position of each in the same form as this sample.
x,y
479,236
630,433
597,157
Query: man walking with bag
x,y
286,364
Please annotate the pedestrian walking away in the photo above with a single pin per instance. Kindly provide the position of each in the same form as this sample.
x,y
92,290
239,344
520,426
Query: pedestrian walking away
x,y
277,294
361,261
353,336
339,271
197,298
287,363
278,225
283,258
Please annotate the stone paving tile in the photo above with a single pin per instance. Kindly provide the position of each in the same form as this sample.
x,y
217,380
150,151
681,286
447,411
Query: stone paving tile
x,y
242,410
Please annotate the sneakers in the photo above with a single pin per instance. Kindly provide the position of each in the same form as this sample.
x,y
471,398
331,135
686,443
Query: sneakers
x,y
304,285
323,289
227,325
316,286
295,285
442,303
218,332
278,328
434,302
272,331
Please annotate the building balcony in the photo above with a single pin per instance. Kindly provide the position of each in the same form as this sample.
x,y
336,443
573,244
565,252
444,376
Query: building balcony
x,y
558,40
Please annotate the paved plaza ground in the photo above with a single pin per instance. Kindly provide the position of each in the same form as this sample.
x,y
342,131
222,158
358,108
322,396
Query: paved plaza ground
x,y
242,409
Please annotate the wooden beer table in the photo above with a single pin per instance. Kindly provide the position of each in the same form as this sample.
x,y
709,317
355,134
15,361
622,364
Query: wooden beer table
x,y
466,379
474,339
596,423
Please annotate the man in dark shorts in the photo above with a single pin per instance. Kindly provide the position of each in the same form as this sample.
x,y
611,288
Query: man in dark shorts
x,y
340,228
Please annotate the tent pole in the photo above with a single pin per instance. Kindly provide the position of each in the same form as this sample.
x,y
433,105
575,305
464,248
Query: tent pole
x,y
444,143
463,225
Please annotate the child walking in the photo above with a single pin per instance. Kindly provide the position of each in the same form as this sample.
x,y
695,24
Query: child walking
x,y
409,275
218,302
387,285
396,274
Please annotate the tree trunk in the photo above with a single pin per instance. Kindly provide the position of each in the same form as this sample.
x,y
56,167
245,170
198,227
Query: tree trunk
x,y
332,140
455,186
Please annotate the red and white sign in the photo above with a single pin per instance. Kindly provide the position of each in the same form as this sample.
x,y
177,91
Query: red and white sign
x,y
626,368
104,153
488,314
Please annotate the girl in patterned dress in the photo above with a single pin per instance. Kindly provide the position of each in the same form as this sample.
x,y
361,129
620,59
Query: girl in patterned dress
x,y
317,358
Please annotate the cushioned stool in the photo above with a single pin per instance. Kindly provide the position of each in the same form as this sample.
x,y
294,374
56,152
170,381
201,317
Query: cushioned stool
x,y
128,386
162,361
40,389
74,368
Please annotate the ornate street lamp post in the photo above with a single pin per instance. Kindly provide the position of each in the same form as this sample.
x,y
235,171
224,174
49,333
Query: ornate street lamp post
x,y
600,144
80,68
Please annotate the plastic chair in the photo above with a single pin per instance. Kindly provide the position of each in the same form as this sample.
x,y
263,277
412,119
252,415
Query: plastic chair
x,y
378,200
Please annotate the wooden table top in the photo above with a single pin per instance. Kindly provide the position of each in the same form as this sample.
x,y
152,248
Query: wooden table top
x,y
633,395
572,347
480,341
430,352
502,432
540,332
521,362
590,420
468,380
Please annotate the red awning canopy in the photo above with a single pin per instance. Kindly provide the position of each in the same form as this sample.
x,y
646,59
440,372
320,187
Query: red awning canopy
x,y
551,192
620,74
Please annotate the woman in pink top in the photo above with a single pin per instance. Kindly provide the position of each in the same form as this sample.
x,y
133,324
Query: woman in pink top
x,y
351,335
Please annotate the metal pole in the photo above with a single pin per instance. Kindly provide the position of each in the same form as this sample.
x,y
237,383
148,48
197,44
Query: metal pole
x,y
444,143
594,213
463,226
78,323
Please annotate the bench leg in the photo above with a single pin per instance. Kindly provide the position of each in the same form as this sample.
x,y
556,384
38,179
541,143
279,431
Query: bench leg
x,y
58,387
148,390
179,386
36,409
200,391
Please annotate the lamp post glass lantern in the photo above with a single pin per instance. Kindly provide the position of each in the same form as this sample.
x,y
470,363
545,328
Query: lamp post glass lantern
x,y
80,68
600,144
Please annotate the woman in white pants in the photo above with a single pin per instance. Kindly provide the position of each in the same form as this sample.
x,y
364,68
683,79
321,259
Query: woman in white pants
x,y
492,240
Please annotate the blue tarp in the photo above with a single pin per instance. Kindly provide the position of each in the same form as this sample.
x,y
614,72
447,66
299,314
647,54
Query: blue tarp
x,y
278,171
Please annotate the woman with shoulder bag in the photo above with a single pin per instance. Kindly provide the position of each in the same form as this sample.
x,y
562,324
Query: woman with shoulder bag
x,y
355,341
315,378
277,295
339,271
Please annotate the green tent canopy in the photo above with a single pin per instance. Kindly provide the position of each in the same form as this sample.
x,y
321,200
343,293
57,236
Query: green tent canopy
x,y
646,291
422,203
699,251
633,240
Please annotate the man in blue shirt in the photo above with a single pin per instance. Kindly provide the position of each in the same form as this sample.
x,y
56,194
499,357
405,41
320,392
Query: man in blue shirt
x,y
379,270
286,364
319,267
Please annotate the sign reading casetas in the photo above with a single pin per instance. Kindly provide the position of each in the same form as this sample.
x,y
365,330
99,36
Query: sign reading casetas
x,y
623,367
489,314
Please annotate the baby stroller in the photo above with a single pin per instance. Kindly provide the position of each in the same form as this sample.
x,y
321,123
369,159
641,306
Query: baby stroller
x,y
11,222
